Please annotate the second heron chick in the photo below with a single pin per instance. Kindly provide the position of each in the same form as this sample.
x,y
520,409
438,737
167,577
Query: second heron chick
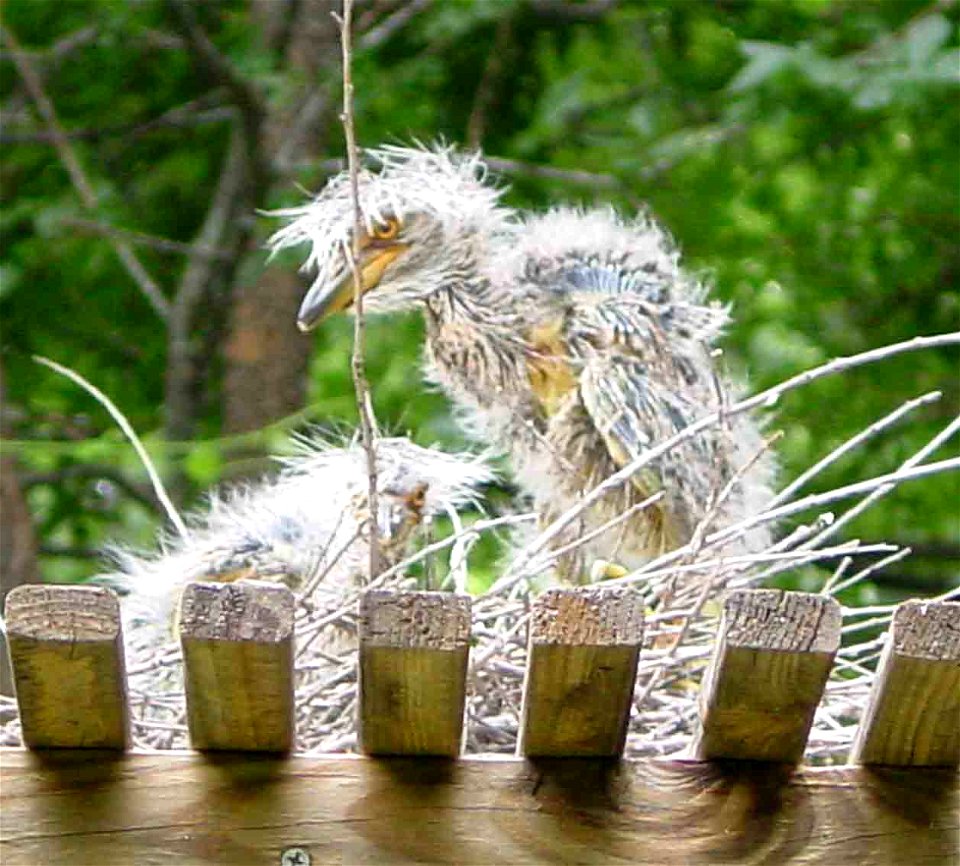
x,y
308,526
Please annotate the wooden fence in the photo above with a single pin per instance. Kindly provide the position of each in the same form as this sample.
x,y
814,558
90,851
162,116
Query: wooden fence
x,y
77,796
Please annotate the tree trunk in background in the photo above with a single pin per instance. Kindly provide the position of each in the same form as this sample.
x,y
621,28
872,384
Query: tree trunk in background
x,y
265,357
18,545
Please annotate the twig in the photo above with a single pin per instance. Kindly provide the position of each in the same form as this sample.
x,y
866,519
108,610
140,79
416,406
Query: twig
x,y
443,543
49,548
549,172
78,178
705,593
357,365
813,501
65,46
853,442
224,227
555,553
175,118
164,245
217,67
318,100
129,432
314,107
485,95
700,531
748,560
838,573
883,490
391,24
864,573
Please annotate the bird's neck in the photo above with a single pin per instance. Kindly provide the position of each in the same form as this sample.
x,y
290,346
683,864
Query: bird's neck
x,y
464,304
471,294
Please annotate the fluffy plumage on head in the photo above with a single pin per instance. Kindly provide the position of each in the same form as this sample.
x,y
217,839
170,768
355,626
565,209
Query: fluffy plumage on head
x,y
422,210
403,469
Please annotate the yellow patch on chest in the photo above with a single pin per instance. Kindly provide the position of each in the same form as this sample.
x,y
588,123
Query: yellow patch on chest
x,y
548,368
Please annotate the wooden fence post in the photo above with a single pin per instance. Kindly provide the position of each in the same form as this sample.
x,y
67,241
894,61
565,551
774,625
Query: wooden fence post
x,y
772,658
238,665
913,713
413,668
66,648
581,669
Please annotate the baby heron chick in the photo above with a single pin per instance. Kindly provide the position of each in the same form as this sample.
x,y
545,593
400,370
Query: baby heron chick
x,y
572,340
306,528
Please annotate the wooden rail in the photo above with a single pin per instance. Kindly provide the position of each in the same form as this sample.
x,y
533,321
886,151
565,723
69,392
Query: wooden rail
x,y
913,716
218,808
773,655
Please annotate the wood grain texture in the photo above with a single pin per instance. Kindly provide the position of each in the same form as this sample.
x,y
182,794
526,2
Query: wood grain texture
x,y
414,648
772,658
66,648
238,665
584,645
913,713
218,808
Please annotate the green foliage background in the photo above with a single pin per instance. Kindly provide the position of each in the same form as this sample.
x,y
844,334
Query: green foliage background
x,y
803,152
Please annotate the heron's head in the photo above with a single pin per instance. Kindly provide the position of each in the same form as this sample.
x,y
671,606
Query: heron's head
x,y
424,215
413,483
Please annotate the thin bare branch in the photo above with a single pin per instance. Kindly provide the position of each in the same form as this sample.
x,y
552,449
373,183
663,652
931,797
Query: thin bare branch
x,y
163,245
62,48
207,57
224,227
78,177
853,442
910,463
485,95
384,29
131,435
368,428
549,172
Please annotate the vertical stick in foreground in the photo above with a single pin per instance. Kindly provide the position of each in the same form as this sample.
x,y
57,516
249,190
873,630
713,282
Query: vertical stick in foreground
x,y
913,714
368,425
413,670
772,659
66,648
582,665
238,665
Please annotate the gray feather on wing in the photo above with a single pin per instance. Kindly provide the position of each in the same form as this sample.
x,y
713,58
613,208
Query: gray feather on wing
x,y
630,410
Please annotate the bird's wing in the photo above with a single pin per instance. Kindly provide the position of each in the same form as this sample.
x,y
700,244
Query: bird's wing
x,y
631,320
634,411
630,410
627,306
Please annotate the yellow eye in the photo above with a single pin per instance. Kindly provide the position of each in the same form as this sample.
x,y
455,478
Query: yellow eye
x,y
386,232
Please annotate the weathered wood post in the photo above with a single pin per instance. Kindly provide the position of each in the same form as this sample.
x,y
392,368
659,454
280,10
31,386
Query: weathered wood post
x,y
238,665
913,714
773,655
581,669
66,647
413,668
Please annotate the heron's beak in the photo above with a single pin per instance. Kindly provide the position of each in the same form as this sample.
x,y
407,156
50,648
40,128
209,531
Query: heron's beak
x,y
337,295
